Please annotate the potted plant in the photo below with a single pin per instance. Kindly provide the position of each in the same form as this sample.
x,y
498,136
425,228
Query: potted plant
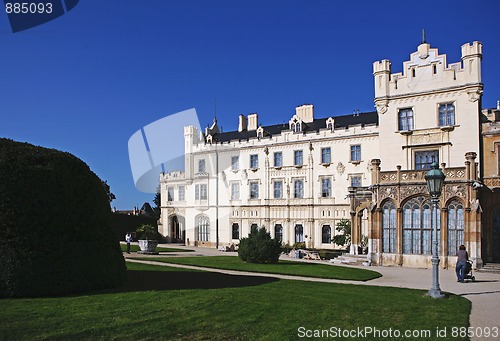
x,y
148,239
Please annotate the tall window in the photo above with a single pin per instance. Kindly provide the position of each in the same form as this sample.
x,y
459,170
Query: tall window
x,y
326,155
182,193
236,231
455,227
297,157
356,152
417,227
446,114
355,181
201,166
200,192
235,191
389,227
424,159
203,228
326,187
235,162
278,232
298,189
254,190
278,159
278,189
405,119
254,161
326,234
299,233
170,194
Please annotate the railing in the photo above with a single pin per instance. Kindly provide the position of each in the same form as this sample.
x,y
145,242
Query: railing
x,y
454,173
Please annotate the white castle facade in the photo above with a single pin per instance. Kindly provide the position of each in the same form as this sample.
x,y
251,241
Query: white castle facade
x,y
301,178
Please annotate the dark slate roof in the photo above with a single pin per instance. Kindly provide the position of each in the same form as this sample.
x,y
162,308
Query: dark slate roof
x,y
320,123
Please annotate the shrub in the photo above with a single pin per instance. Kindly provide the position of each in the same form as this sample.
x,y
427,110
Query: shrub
x,y
259,247
344,236
55,235
299,245
147,232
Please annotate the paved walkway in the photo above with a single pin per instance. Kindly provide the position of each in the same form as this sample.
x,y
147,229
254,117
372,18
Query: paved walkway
x,y
484,293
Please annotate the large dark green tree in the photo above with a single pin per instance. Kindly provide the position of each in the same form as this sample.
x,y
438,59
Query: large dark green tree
x,y
259,247
55,235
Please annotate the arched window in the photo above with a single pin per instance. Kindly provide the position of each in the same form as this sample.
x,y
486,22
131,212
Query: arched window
x,y
326,234
202,228
455,227
299,233
417,227
278,232
236,231
389,227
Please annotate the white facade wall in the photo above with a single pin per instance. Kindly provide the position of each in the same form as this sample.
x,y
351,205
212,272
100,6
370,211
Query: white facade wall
x,y
312,211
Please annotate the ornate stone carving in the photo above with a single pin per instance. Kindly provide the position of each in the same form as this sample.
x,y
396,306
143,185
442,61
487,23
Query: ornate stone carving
x,y
407,191
388,192
474,95
382,108
455,191
340,168
244,174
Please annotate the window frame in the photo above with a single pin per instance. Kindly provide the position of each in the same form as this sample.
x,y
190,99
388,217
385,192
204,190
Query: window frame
x,y
426,165
325,156
355,153
235,195
409,121
298,157
448,117
276,164
202,166
235,163
254,161
298,191
253,192
181,193
323,193
275,183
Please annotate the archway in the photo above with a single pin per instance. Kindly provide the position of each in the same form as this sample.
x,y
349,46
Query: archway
x,y
177,229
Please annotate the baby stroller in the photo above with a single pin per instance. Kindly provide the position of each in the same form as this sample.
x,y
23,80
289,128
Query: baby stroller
x,y
468,271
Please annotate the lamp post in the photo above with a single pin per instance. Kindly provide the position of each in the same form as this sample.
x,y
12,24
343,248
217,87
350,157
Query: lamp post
x,y
435,179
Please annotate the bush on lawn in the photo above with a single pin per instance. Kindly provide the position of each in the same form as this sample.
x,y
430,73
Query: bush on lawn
x,y
55,235
259,247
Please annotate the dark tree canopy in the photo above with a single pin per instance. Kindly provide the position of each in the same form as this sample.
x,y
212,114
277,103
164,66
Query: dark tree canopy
x,y
259,247
55,235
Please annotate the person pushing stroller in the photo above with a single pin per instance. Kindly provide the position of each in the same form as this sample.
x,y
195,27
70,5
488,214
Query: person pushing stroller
x,y
461,268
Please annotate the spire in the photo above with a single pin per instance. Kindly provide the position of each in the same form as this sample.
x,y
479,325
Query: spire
x,y
423,36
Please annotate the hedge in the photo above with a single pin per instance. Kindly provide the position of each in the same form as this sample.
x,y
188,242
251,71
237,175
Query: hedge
x,y
55,235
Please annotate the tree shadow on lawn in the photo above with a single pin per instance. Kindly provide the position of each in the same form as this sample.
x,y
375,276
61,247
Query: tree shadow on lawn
x,y
139,280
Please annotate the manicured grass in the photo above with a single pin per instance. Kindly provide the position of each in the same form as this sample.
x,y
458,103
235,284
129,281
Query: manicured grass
x,y
135,248
283,267
218,306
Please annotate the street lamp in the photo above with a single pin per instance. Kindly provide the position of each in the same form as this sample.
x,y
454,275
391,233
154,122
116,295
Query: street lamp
x,y
435,179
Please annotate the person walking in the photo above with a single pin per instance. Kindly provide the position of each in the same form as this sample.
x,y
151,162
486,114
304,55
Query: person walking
x,y
462,258
128,239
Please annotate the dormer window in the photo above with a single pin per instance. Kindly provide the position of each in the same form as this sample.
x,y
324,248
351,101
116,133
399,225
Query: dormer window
x,y
330,123
295,124
260,132
209,138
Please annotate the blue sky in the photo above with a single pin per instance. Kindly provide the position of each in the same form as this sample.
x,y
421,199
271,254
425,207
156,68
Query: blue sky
x,y
85,82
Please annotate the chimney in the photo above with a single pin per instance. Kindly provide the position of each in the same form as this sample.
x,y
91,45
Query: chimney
x,y
498,105
253,122
242,123
305,112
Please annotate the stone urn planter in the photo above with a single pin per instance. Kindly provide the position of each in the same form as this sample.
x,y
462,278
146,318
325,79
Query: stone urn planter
x,y
148,246
147,240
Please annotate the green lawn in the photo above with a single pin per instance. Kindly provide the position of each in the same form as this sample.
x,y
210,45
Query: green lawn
x,y
153,306
283,267
135,248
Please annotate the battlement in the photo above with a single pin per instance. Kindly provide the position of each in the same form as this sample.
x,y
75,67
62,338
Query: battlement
x,y
382,66
472,50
